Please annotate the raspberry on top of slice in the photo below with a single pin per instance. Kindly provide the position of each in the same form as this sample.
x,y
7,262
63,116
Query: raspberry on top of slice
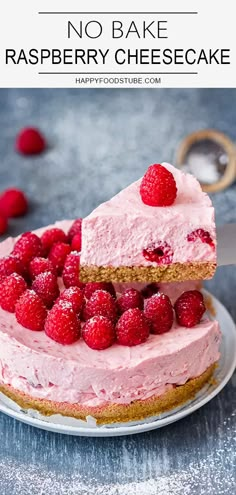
x,y
158,186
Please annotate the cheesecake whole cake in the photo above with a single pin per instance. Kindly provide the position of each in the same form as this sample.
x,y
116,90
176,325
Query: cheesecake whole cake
x,y
130,238
118,353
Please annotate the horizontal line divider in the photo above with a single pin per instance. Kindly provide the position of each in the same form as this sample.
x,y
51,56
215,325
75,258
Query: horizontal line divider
x,y
120,73
118,13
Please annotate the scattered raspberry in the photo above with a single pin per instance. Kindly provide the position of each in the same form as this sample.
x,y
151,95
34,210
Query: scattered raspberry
x,y
10,264
159,253
159,312
40,265
58,254
11,288
76,243
46,286
131,298
189,308
75,229
158,186
51,237
70,272
101,303
27,247
3,224
13,203
62,324
201,234
75,296
30,311
99,333
91,287
150,290
132,328
30,141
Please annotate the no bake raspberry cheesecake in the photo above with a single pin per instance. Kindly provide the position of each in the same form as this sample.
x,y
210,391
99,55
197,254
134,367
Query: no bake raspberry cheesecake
x,y
160,228
117,353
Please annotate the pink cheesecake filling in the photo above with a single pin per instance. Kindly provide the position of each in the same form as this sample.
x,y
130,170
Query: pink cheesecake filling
x,y
36,365
124,227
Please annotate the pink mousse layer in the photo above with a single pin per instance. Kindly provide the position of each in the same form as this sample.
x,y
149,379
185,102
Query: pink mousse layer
x,y
36,365
121,228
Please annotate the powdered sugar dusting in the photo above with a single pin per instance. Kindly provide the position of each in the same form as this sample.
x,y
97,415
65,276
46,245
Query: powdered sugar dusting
x,y
135,474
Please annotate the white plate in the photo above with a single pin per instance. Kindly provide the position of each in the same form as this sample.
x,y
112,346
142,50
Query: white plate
x,y
73,427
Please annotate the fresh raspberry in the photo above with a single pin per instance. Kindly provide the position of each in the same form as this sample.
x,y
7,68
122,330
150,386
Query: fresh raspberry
x,y
3,224
30,141
51,237
70,274
13,203
58,254
91,287
150,290
159,312
75,296
131,298
132,328
46,286
27,247
76,243
201,234
10,264
11,288
189,308
101,303
40,265
62,324
75,229
158,186
30,311
99,333
159,253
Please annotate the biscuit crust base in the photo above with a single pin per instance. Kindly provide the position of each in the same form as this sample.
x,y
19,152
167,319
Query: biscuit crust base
x,y
114,413
176,272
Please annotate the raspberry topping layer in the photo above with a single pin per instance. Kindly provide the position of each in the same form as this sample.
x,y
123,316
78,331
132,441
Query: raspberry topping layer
x,y
99,333
35,364
30,311
62,323
190,308
86,301
132,328
159,312
11,288
27,247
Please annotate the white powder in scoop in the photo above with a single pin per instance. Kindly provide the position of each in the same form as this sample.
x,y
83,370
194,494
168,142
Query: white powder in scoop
x,y
203,167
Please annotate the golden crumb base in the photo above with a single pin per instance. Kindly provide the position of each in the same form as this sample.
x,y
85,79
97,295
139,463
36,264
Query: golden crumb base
x,y
114,413
176,272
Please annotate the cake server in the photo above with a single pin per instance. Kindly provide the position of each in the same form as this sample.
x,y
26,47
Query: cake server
x,y
226,244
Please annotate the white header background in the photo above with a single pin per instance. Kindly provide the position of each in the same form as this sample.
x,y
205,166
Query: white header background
x,y
22,27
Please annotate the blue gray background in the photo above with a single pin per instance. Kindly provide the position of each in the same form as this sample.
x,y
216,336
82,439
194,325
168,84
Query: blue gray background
x,y
99,142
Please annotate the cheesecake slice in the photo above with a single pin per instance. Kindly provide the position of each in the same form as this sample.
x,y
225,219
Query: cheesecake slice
x,y
126,240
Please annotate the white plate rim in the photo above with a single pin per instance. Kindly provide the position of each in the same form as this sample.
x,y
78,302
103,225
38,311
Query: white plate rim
x,y
105,431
